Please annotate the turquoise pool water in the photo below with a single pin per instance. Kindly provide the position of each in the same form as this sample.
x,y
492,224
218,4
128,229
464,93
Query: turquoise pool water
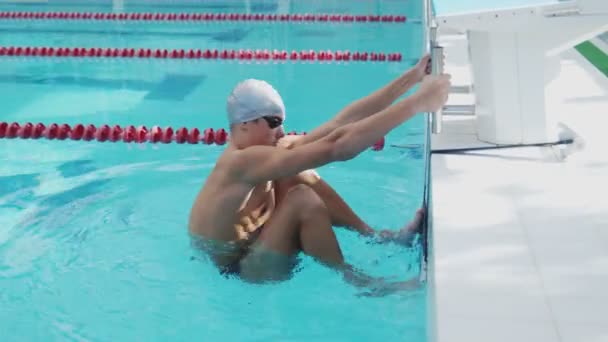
x,y
93,238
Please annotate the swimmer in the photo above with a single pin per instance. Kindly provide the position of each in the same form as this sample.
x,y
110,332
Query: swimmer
x,y
263,203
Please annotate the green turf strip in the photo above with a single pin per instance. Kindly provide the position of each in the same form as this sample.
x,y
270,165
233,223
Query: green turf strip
x,y
594,55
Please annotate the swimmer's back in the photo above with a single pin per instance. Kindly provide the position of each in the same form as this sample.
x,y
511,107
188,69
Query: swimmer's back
x,y
218,196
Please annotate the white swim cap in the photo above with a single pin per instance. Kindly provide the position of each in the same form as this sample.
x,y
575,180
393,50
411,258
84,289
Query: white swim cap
x,y
251,99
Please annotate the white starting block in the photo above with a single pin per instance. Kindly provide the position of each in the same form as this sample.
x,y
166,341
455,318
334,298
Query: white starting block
x,y
509,50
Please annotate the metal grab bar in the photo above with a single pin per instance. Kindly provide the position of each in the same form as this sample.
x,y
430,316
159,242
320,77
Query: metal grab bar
x,y
436,52
437,117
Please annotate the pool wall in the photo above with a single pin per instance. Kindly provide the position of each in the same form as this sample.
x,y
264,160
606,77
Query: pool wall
x,y
427,268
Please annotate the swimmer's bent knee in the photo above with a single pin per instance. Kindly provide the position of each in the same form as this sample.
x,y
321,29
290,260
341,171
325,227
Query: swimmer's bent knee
x,y
302,191
304,197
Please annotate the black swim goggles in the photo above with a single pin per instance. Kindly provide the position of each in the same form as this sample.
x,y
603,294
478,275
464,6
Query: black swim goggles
x,y
273,121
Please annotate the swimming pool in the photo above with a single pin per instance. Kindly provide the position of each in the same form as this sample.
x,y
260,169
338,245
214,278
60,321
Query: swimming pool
x,y
93,238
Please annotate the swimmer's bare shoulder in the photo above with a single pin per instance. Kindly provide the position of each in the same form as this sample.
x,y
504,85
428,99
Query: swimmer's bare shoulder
x,y
214,211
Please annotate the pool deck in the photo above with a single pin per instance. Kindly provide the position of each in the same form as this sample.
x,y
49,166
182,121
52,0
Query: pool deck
x,y
520,236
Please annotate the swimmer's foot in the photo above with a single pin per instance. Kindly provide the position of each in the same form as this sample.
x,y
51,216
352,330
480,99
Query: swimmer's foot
x,y
406,234
416,224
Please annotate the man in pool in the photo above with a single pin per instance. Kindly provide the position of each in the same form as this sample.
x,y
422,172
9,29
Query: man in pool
x,y
263,204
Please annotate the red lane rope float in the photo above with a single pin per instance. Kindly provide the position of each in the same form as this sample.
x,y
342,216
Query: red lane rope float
x,y
204,17
247,55
128,134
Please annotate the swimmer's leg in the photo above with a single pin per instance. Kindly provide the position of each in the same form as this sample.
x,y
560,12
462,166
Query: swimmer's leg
x,y
340,212
301,222
343,216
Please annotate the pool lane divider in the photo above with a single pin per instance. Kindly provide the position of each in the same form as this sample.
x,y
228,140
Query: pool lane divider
x,y
256,55
205,17
127,134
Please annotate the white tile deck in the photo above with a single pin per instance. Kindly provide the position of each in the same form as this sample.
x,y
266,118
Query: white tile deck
x,y
583,332
496,330
521,236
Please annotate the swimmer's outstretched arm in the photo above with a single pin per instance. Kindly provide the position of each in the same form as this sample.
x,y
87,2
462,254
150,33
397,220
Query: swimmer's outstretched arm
x,y
374,102
257,164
